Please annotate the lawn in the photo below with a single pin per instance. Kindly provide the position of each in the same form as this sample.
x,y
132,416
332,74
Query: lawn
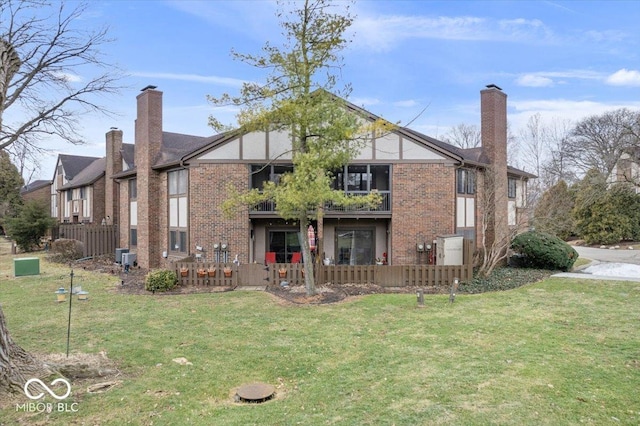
x,y
556,352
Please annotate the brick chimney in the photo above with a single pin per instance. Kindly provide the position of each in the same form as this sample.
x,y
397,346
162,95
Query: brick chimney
x,y
113,166
493,112
148,142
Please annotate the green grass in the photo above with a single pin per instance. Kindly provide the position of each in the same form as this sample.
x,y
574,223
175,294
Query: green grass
x,y
581,262
555,352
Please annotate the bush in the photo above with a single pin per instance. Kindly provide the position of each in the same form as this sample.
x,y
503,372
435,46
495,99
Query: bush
x,y
66,250
544,251
30,225
160,280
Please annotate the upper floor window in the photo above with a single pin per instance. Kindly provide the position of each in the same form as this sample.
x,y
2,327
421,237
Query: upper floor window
x,y
466,181
83,193
178,182
133,189
511,187
362,177
261,173
70,195
178,210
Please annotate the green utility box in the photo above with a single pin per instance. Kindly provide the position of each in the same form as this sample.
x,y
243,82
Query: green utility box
x,y
26,266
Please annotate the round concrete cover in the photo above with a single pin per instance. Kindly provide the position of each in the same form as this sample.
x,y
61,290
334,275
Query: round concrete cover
x,y
255,392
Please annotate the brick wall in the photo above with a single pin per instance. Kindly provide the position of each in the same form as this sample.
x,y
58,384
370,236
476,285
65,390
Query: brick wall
x,y
123,223
493,111
113,166
148,141
98,200
207,191
423,207
42,195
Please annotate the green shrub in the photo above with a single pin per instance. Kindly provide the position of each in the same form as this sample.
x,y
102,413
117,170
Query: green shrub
x,y
160,280
30,225
544,251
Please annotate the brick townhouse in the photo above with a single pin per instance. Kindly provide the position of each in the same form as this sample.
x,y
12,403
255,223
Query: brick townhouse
x,y
171,188
77,190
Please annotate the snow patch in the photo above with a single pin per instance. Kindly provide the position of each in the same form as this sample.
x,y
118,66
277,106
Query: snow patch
x,y
614,270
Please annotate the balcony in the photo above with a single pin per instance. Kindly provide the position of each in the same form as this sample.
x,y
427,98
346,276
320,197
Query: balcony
x,y
268,208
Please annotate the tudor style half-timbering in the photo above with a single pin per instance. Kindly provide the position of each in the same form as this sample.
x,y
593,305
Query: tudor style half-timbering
x,y
171,197
77,189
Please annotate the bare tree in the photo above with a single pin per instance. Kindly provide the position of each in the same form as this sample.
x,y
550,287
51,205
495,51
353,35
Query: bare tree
x,y
597,142
496,231
464,136
557,166
44,78
41,58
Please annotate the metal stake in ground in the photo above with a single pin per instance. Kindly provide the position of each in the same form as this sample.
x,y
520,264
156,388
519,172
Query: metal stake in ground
x,y
69,322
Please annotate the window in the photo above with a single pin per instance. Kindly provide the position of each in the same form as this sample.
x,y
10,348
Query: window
x,y
133,212
261,173
178,182
362,178
466,181
70,195
355,246
133,189
178,210
511,183
284,244
83,193
358,178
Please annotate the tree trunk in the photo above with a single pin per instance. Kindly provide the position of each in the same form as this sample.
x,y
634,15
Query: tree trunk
x,y
309,279
16,365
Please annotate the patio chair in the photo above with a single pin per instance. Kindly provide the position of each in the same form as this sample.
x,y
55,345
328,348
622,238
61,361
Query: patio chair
x,y
269,257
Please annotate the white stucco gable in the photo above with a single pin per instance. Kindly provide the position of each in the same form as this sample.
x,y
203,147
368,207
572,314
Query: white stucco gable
x,y
265,146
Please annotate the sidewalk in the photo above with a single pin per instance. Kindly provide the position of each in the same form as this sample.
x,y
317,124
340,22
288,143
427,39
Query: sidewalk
x,y
583,276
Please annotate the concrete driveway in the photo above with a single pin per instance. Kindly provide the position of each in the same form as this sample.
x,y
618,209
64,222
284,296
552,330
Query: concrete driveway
x,y
621,255
605,256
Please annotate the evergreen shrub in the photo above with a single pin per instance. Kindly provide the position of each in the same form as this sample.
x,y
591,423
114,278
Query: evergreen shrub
x,y
544,251
160,280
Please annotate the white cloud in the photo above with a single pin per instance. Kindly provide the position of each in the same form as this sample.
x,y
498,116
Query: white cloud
x,y
405,104
212,79
553,78
624,77
534,80
364,101
68,77
382,32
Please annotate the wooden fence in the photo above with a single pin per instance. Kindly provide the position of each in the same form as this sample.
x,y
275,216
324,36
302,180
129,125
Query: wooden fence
x,y
97,240
203,273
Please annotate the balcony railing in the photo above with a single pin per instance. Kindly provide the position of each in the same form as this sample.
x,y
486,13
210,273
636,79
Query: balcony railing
x,y
383,207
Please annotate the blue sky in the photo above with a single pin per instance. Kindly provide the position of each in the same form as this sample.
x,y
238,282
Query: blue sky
x,y
562,59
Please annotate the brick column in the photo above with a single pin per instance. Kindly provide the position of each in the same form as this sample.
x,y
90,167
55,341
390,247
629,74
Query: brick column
x,y
493,111
148,142
113,166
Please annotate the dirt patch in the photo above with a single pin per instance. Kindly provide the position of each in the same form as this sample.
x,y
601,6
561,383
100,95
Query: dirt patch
x,y
83,371
334,294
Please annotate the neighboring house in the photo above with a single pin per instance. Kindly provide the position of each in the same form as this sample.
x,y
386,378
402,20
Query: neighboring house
x,y
627,169
171,188
77,190
38,190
